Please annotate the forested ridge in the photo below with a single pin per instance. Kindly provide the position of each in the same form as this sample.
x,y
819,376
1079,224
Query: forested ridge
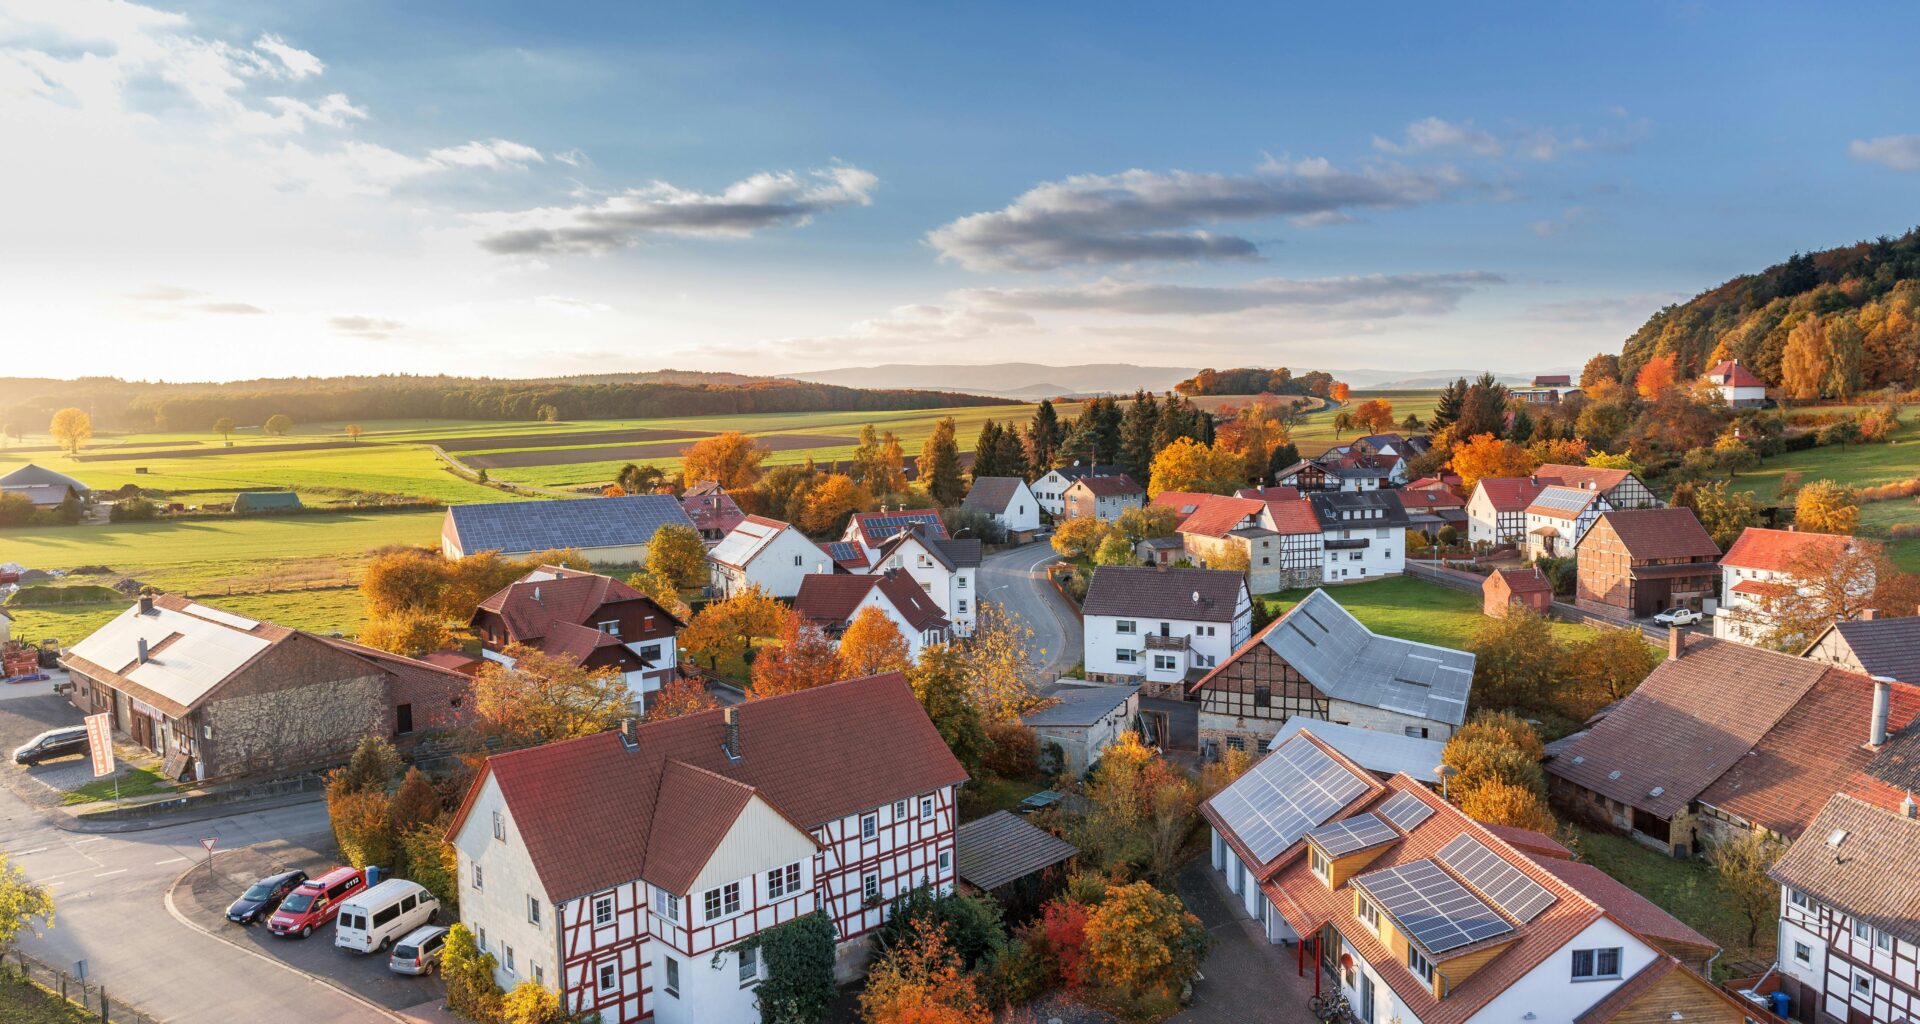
x,y
139,405
1833,323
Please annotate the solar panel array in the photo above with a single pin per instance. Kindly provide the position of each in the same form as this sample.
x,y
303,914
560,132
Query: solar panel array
x,y
1291,790
1351,835
516,526
1564,499
1406,811
887,525
1437,912
1494,877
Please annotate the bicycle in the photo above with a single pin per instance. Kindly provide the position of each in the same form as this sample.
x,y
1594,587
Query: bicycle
x,y
1331,1008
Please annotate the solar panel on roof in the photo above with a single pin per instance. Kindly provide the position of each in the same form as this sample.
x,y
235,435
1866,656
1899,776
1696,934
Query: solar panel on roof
x,y
1351,835
1434,910
1405,810
1291,790
1497,879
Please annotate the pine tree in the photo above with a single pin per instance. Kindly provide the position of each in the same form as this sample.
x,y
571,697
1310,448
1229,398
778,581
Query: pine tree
x,y
1044,436
1136,434
1448,409
939,465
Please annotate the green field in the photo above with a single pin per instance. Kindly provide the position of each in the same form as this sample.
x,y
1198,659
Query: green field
x,y
1412,609
1314,433
327,610
1688,889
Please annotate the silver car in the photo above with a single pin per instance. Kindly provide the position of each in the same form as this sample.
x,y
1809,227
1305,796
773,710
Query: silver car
x,y
418,951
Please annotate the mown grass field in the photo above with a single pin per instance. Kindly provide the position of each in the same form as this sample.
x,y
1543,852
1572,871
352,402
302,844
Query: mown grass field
x,y
327,610
1413,609
1315,434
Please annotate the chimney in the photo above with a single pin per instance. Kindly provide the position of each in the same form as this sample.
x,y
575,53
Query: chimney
x,y
732,746
536,597
1676,643
146,604
630,733
1532,479
1882,699
142,650
1908,808
1869,614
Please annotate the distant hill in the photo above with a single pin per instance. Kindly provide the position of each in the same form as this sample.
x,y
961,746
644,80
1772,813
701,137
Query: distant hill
x,y
1016,380
1863,301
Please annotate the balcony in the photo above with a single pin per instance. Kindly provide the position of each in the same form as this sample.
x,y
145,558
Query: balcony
x,y
1166,643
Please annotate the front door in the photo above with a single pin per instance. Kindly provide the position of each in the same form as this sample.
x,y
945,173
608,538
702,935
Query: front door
x,y
1366,997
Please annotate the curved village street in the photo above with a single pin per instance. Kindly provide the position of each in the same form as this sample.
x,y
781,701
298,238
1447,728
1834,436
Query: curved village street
x,y
1017,579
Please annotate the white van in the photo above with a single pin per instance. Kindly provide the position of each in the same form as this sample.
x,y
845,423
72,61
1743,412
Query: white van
x,y
373,919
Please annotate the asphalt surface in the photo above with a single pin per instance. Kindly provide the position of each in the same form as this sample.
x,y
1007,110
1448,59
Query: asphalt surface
x,y
1017,579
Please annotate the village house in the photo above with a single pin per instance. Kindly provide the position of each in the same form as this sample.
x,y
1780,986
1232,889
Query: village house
x,y
944,567
1333,472
603,530
870,531
1291,517
1497,511
1553,380
1103,497
1620,487
1634,563
1162,627
1723,738
1872,646
1162,551
1050,488
219,695
1558,517
1849,932
1415,912
1363,533
764,553
1319,662
1760,568
713,511
1737,385
584,619
830,602
729,822
1222,531
1506,589
1009,501
1432,506
1080,723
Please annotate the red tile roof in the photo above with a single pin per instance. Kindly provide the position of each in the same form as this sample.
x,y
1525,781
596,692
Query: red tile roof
x,y
1183,503
833,599
1525,581
1529,842
1511,493
1776,550
816,755
1730,372
1292,518
1603,480
711,508
1276,492
1429,495
1219,515
529,608
1651,533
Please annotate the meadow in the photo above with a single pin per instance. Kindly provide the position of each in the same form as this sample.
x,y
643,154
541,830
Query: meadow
x,y
1858,465
1413,609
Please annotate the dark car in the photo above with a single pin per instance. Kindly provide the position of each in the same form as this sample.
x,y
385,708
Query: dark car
x,y
263,896
51,744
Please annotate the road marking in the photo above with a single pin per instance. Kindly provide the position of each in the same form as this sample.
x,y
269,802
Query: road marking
x,y
116,871
29,853
83,842
170,860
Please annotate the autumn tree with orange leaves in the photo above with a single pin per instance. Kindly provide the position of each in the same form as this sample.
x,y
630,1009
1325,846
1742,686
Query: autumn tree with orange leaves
x,y
730,458
681,696
1374,415
872,644
1657,375
1484,456
801,659
920,982
1339,391
543,699
829,502
725,634
1143,945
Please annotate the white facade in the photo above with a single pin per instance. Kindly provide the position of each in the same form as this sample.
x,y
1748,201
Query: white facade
x,y
1567,532
1162,651
662,654
758,553
1742,616
954,590
917,639
1862,972
1050,492
498,885
1485,523
1357,551
1022,511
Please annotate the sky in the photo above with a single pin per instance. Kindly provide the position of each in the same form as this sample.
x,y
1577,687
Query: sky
x,y
226,190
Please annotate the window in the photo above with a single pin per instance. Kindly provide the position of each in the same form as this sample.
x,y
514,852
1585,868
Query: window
x,y
946,861
1863,985
479,877
539,976
533,910
1236,743
899,810
797,559
650,653
1862,931
1419,965
961,582
666,904
783,881
1264,743
1882,941
611,627
1797,898
1263,696
869,826
480,938
1803,953
1369,913
926,808
609,976
1125,626
1596,964
723,901
673,977
1163,663
1123,655
1318,861
1417,731
499,826
603,909
870,887
749,966
963,606
508,950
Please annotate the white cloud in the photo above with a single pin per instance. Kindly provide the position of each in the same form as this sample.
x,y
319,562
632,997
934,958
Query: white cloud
x,y
1372,296
1439,135
493,154
297,63
1432,133
1898,152
765,200
1140,216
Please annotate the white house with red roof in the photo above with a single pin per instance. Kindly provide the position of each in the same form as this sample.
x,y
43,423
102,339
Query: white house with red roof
x,y
1497,511
830,602
1415,912
729,822
871,530
945,568
1741,387
1759,568
764,553
1558,517
584,618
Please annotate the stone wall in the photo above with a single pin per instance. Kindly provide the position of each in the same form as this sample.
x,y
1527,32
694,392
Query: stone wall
x,y
299,727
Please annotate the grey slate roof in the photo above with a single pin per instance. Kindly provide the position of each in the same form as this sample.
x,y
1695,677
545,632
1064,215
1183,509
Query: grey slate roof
x,y
1148,593
1082,705
1072,473
992,493
1004,847
1885,647
1858,859
1347,661
31,475
1372,749
514,526
1331,507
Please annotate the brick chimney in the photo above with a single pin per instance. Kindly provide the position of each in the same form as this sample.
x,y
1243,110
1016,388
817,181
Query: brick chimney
x,y
1909,808
1676,643
146,604
1882,704
1869,614
732,745
630,733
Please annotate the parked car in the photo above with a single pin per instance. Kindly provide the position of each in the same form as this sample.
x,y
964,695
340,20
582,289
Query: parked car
x,y
263,896
418,952
315,902
51,744
1678,617
372,919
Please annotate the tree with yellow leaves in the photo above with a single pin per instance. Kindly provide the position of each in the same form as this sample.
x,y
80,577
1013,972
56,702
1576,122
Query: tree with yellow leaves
x,y
1115,550
1143,944
730,458
1503,803
1484,456
1002,663
409,632
544,699
1803,363
872,644
1079,537
1826,507
530,1003
1188,465
829,501
725,632
73,428
920,981
801,659
1375,415
677,552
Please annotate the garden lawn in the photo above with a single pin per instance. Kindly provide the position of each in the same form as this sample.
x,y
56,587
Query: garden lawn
x,y
1858,465
1413,609
137,782
991,793
1688,889
25,1003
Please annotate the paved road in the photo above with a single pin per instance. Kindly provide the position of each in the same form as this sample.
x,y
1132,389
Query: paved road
x,y
1017,579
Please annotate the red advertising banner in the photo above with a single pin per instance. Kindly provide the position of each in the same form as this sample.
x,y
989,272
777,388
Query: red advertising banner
x,y
100,743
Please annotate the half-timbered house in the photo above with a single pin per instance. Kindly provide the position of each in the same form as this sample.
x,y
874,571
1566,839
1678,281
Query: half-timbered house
x,y
727,823
1633,563
583,618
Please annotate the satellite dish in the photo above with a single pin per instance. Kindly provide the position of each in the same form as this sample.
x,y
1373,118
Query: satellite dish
x,y
1196,597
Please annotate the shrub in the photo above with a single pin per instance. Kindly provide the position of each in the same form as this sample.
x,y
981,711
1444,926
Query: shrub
x,y
1018,973
1502,803
1013,750
1904,531
971,923
468,973
1143,946
1907,488
1504,727
1479,762
134,510
530,1003
798,958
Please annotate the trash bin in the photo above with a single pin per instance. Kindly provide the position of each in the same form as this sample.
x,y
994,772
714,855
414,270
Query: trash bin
x,y
1781,1003
373,875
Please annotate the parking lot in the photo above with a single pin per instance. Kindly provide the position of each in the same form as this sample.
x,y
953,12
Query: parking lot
x,y
26,710
203,899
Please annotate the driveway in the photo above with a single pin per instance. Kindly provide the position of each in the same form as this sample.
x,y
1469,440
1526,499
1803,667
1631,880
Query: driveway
x,y
1017,579
1245,979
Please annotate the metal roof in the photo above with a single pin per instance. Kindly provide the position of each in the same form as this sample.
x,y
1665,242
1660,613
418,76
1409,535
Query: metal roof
x,y
1004,847
517,526
1081,705
200,650
1384,752
1347,661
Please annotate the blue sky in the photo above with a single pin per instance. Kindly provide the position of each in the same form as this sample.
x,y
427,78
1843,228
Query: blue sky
x,y
227,190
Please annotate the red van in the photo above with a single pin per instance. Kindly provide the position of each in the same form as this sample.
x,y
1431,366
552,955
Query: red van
x,y
315,902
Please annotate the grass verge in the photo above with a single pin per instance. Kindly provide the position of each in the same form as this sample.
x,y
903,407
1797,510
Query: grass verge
x,y
22,1002
137,782
1412,609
